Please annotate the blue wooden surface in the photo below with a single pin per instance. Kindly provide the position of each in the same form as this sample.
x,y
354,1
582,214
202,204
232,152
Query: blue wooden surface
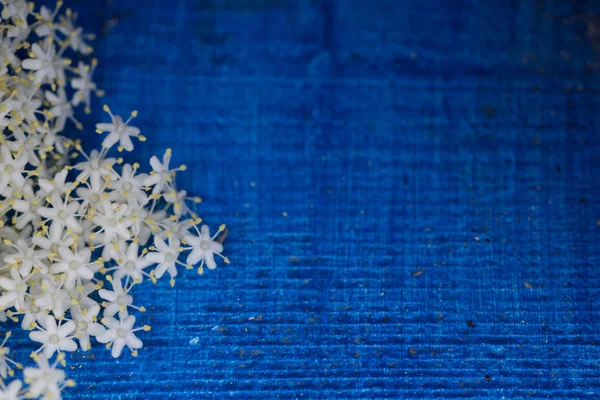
x,y
348,145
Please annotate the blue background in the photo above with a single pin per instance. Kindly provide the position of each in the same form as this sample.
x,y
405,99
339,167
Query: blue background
x,y
348,145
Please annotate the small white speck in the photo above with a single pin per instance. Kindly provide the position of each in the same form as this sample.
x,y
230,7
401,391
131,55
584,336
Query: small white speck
x,y
215,328
252,184
195,341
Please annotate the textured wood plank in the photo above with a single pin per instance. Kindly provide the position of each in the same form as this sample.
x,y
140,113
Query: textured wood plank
x,y
450,137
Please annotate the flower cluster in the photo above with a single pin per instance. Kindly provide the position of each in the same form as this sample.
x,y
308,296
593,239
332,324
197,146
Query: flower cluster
x,y
78,230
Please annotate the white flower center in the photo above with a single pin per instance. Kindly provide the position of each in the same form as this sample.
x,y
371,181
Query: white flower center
x,y
62,214
21,288
121,300
82,325
73,265
121,333
129,265
111,222
54,339
127,186
205,245
8,169
94,198
170,257
95,164
54,248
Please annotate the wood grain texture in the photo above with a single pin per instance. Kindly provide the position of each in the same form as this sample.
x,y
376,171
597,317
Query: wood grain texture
x,y
456,138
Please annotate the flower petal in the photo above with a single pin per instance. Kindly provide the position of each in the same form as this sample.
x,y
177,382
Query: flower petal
x,y
117,347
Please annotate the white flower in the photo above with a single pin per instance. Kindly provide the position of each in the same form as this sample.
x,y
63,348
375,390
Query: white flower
x,y
55,186
11,168
131,264
50,141
84,85
130,186
53,297
54,337
7,54
120,333
26,257
85,320
161,175
204,247
27,207
61,108
177,199
31,313
24,105
53,241
119,131
117,300
6,363
74,265
14,290
62,214
75,34
139,228
46,26
45,380
79,295
97,169
45,65
90,198
113,222
12,391
165,256
177,226
15,8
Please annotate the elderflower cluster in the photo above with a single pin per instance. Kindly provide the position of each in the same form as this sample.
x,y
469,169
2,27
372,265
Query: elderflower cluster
x,y
78,231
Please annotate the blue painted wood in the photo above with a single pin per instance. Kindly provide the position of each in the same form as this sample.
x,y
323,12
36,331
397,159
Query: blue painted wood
x,y
350,145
